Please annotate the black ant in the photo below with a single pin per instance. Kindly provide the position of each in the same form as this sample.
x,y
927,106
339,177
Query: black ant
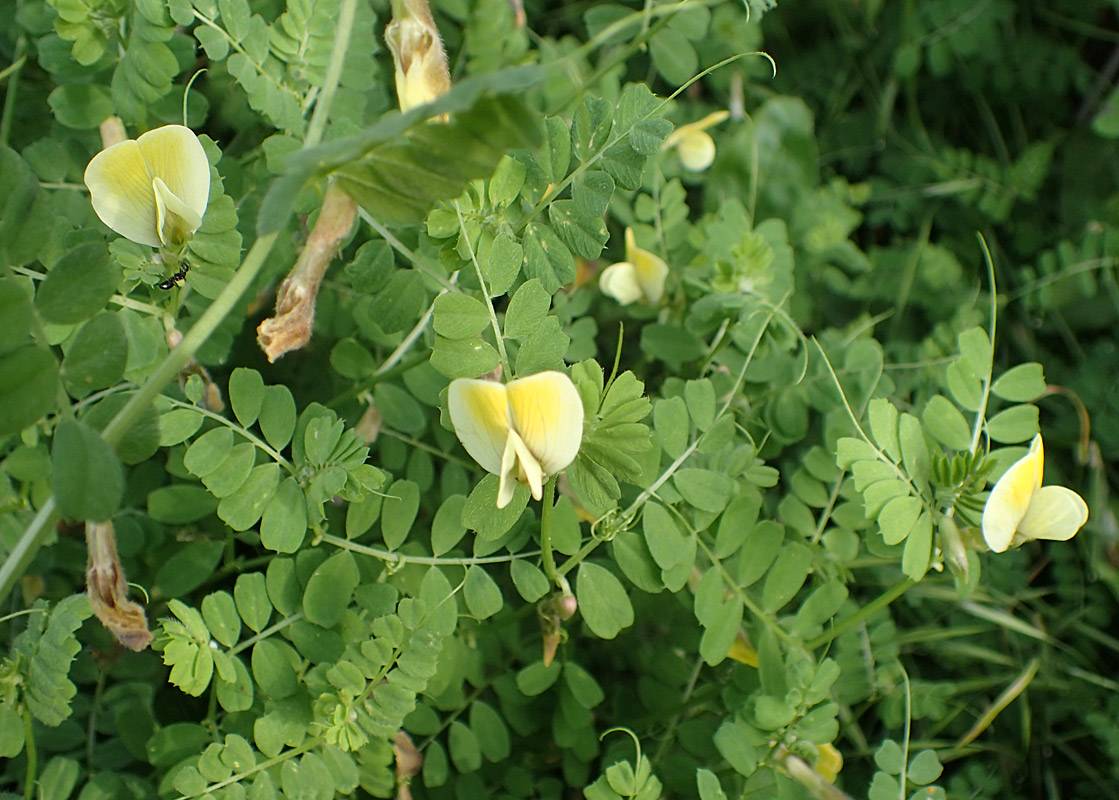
x,y
173,281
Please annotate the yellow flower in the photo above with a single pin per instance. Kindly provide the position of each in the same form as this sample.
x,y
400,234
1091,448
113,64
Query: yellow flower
x,y
829,762
694,144
526,430
152,190
417,51
640,277
1020,508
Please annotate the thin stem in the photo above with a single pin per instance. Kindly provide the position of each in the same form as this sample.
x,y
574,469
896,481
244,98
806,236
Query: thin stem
x,y
549,558
264,634
32,777
417,261
485,291
26,547
333,73
12,73
864,613
402,558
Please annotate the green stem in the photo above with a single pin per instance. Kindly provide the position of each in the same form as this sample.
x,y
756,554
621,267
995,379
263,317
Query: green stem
x,y
486,292
12,73
864,613
546,533
333,73
402,558
32,756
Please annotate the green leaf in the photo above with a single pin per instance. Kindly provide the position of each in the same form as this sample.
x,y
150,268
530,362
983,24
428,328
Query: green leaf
x,y
243,508
82,106
220,614
884,427
924,768
506,182
890,758
666,543
28,387
708,785
330,588
918,548
50,649
250,592
536,678
1014,424
188,568
398,512
786,576
500,261
732,739
284,521
459,316
490,730
463,358
78,285
602,600
898,517
946,423
482,595
277,416
975,347
547,258
447,528
674,56
482,515
96,358
703,489
585,236
527,309
1021,384
272,668
180,504
246,395
670,421
399,179
88,476
591,191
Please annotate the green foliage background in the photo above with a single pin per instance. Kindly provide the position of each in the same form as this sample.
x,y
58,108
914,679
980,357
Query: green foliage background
x,y
770,528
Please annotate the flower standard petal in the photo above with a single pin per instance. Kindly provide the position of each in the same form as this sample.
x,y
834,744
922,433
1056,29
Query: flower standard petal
x,y
480,415
175,155
1055,513
120,189
548,414
1010,498
620,282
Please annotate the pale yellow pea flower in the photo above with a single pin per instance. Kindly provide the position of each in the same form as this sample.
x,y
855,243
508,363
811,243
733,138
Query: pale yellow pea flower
x,y
640,277
1020,508
154,189
417,51
693,143
526,430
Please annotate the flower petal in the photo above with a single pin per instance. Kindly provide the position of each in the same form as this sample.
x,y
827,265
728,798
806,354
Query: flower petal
x,y
174,220
650,270
120,189
174,154
1054,513
518,465
620,282
697,151
548,414
1010,499
480,415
